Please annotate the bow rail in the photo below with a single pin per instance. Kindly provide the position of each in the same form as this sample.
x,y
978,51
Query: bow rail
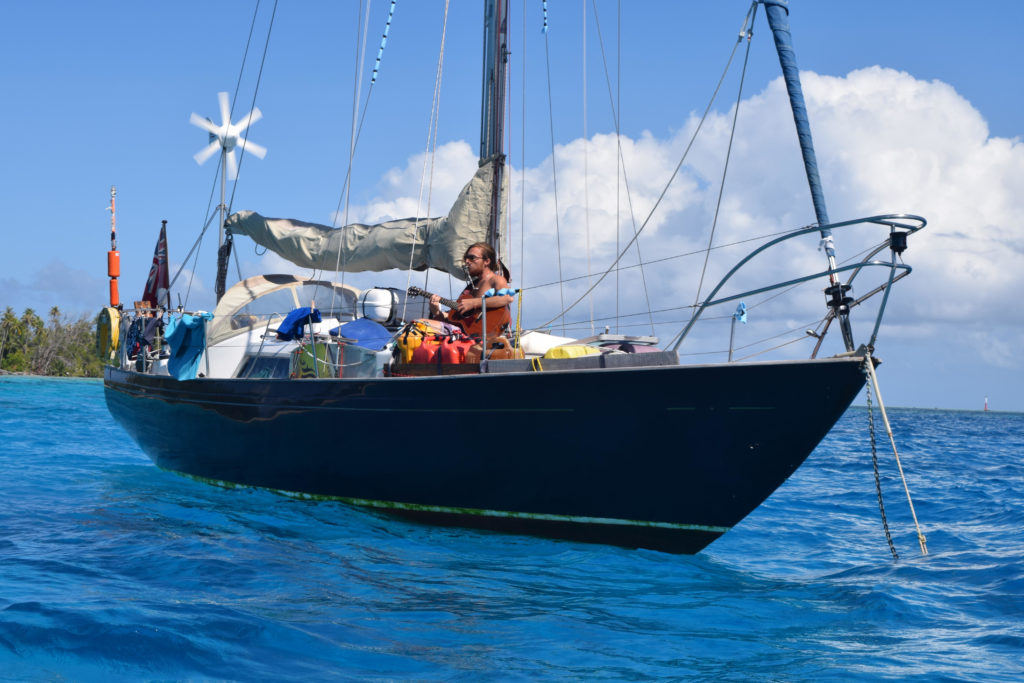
x,y
900,225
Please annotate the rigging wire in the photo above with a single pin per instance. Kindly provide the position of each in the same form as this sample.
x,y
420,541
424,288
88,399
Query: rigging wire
x,y
677,256
362,30
195,249
802,337
620,165
809,329
241,157
430,152
816,324
820,322
554,174
380,53
345,185
728,155
768,350
618,149
671,179
238,267
357,129
506,197
213,188
255,92
522,188
586,160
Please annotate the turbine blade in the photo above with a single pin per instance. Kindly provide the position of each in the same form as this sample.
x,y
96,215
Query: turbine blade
x,y
246,121
232,165
252,148
205,124
207,152
225,110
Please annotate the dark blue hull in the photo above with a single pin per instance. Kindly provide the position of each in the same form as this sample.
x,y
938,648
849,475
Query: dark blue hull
x,y
667,458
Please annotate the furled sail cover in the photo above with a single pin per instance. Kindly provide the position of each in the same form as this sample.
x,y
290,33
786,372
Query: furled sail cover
x,y
437,242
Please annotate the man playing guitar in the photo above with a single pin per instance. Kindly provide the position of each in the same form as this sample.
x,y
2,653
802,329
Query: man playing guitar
x,y
480,262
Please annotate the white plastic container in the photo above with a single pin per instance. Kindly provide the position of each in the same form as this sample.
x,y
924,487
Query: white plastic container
x,y
536,343
391,307
378,304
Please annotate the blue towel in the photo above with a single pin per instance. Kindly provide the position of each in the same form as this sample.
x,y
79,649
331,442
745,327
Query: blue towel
x,y
367,333
187,338
295,322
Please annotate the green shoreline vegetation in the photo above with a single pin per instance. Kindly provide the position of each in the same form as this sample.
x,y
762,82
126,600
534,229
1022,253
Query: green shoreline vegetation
x,y
57,347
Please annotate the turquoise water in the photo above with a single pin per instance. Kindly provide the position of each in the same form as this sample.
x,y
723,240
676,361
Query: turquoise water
x,y
111,569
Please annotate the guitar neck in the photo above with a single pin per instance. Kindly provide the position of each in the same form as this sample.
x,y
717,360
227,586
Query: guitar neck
x,y
416,291
472,324
448,302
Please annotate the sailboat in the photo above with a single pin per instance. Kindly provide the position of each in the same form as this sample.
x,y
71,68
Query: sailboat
x,y
619,443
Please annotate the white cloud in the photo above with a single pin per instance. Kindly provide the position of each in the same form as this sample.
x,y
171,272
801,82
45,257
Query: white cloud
x,y
923,148
999,347
419,188
886,143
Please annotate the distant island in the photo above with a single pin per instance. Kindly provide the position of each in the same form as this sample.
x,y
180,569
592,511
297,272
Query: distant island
x,y
58,346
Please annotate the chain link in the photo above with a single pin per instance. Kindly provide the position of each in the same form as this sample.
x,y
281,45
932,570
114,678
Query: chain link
x,y
874,464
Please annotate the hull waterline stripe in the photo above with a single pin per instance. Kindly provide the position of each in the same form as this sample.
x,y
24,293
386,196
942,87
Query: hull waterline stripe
x,y
204,401
540,516
533,516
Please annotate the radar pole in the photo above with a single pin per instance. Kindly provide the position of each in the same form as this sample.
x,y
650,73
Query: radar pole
x,y
113,256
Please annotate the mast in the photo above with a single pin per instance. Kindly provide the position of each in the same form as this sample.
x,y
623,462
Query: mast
x,y
778,19
492,107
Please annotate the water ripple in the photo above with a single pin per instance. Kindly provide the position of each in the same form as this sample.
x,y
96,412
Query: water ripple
x,y
111,569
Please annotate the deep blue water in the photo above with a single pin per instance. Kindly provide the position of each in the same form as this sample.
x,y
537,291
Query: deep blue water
x,y
111,569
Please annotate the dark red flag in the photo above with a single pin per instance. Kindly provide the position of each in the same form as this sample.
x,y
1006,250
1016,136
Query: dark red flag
x,y
157,285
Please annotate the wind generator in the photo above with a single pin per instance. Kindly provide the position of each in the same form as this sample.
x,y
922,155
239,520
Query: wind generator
x,y
227,137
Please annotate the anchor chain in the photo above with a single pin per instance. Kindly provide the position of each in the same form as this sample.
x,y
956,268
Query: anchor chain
x,y
874,464
869,370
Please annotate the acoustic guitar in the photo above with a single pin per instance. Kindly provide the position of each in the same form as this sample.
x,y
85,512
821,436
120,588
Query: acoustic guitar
x,y
473,323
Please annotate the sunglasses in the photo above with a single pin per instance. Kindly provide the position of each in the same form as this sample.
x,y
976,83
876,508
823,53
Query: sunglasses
x,y
472,258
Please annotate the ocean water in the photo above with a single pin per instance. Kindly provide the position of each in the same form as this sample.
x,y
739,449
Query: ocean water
x,y
111,569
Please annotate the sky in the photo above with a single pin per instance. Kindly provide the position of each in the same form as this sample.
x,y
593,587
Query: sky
x,y
915,108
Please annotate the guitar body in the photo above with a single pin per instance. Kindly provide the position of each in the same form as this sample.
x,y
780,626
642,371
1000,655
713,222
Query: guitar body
x,y
472,324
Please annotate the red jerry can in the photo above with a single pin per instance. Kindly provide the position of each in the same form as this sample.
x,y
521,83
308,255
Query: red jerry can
x,y
425,352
